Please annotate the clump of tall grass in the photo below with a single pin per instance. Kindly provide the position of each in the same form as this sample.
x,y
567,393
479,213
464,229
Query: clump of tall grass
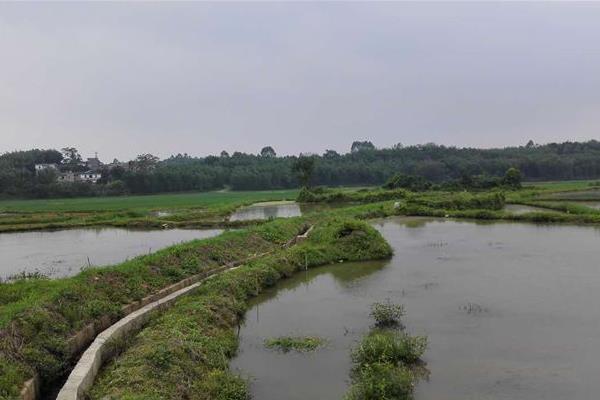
x,y
387,314
385,359
382,381
286,344
389,347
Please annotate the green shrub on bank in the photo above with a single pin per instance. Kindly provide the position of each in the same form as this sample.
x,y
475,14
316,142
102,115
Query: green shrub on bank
x,y
322,195
196,337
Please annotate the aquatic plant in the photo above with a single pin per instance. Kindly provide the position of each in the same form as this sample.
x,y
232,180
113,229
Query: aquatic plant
x,y
389,346
382,381
298,343
387,314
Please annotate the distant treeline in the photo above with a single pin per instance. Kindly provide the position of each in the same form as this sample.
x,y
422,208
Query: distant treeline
x,y
363,165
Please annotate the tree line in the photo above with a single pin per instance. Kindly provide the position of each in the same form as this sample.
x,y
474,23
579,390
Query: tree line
x,y
364,164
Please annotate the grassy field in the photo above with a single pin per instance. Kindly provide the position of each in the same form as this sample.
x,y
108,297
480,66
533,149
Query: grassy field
x,y
208,209
149,202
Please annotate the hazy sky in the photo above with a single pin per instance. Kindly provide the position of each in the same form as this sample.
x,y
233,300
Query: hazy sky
x,y
124,79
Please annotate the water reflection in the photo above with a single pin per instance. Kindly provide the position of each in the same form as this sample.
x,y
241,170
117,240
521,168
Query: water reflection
x,y
267,211
63,253
508,309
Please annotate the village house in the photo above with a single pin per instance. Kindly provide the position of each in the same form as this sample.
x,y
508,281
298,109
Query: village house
x,y
89,176
45,167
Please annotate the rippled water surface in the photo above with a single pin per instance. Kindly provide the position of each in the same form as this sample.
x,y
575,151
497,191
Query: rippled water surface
x,y
65,252
509,309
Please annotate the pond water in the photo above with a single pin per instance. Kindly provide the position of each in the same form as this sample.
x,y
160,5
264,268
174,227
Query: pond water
x,y
64,253
509,309
591,204
523,209
267,210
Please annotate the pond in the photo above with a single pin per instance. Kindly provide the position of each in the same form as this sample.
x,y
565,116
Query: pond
x,y
509,310
63,253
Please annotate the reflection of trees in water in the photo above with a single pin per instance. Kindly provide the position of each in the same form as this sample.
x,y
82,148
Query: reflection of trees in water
x,y
343,273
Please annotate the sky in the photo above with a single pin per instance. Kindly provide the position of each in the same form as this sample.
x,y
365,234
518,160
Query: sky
x,y
123,79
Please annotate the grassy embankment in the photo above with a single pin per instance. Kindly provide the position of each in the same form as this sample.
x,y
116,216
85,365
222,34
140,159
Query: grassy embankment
x,y
184,353
207,209
486,205
39,316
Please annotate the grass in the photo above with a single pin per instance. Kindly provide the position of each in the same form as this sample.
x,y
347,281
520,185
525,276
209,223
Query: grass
x,y
147,202
387,314
206,209
38,316
385,358
300,344
184,353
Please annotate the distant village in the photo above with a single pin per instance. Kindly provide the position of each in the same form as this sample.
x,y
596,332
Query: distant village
x,y
85,171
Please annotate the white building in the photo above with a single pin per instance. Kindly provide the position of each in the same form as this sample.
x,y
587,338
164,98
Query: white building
x,y
43,167
89,176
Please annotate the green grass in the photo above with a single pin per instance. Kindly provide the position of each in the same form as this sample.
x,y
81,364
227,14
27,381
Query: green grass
x,y
184,353
300,344
208,209
38,316
148,202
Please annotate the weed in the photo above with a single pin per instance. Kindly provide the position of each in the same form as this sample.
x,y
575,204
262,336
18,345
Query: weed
x,y
298,343
387,314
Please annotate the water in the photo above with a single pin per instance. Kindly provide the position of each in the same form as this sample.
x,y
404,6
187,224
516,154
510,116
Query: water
x,y
591,204
509,309
519,209
64,253
267,211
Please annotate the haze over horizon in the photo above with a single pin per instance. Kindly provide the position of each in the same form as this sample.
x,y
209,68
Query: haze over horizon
x,y
166,78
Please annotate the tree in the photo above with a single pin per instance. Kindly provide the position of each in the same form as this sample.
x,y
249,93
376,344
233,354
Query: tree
x,y
512,178
268,151
224,154
530,144
71,156
145,162
304,167
331,154
361,146
398,146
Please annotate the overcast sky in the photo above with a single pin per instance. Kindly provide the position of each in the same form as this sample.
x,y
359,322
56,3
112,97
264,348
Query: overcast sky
x,y
165,78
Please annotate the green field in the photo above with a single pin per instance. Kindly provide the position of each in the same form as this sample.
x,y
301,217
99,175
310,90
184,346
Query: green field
x,y
207,209
148,202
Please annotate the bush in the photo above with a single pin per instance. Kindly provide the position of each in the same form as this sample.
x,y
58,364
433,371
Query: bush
x,y
382,381
387,314
387,346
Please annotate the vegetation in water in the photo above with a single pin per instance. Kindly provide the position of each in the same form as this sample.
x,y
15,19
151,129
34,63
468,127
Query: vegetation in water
x,y
389,347
184,353
38,317
387,314
384,361
298,343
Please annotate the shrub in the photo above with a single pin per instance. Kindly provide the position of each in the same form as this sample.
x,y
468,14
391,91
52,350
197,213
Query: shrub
x,y
382,381
387,346
387,314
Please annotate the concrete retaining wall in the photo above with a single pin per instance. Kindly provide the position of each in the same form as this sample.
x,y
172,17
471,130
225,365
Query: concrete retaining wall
x,y
83,375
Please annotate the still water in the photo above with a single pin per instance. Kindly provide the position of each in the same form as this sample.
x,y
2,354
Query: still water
x,y
266,211
509,309
64,253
